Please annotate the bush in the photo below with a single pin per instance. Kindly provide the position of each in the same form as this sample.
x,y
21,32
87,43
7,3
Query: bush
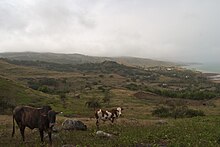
x,y
6,105
186,94
33,84
44,89
132,86
93,104
177,112
162,112
192,113
111,76
101,76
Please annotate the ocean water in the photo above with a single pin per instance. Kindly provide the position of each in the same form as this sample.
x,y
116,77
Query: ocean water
x,y
205,67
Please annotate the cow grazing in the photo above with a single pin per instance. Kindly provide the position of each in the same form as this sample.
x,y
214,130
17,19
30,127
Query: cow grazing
x,y
42,118
105,115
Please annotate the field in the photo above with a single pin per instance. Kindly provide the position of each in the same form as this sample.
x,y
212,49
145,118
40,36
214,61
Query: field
x,y
137,127
189,100
199,131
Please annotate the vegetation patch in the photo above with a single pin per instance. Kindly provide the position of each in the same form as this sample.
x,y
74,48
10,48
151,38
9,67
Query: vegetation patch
x,y
176,112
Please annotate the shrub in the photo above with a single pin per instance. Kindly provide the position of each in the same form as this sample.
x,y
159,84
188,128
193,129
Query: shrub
x,y
186,94
132,86
101,88
93,104
107,97
192,113
177,112
44,89
162,112
111,76
101,76
6,104
33,84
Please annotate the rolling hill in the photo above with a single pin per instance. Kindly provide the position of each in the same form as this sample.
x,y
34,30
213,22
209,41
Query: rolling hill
x,y
168,92
80,59
13,93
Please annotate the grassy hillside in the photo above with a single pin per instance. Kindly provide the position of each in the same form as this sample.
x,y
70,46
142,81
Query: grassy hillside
x,y
13,93
102,81
170,92
79,59
198,131
169,82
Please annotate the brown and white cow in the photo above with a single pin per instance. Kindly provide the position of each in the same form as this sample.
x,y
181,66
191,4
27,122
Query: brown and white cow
x,y
105,115
42,118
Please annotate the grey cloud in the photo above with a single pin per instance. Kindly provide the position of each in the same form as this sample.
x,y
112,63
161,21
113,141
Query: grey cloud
x,y
171,30
10,17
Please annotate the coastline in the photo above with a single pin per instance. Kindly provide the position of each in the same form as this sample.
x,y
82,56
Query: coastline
x,y
212,74
215,77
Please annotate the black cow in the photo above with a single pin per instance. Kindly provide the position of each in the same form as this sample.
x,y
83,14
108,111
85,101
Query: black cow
x,y
42,118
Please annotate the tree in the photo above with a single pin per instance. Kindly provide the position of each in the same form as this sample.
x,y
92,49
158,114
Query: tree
x,y
63,99
6,104
107,96
93,104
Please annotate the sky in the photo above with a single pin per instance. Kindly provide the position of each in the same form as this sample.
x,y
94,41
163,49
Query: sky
x,y
173,30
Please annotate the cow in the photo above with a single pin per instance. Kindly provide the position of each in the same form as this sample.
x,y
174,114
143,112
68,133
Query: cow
x,y
42,118
105,115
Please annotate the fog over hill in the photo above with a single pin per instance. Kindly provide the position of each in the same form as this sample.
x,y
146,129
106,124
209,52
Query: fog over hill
x,y
164,30
79,59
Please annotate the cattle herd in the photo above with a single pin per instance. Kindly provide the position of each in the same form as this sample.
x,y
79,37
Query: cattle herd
x,y
44,119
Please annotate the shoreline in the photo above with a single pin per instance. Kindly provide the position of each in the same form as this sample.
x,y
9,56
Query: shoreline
x,y
211,75
214,77
212,68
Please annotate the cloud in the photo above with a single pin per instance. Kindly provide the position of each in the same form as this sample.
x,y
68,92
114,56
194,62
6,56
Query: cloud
x,y
171,30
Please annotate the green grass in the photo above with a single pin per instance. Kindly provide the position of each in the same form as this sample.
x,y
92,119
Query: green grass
x,y
136,127
199,131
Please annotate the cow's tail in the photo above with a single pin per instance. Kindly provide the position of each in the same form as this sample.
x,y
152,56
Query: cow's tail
x,y
13,132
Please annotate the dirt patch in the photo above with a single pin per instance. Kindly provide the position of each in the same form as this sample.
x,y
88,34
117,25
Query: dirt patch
x,y
5,119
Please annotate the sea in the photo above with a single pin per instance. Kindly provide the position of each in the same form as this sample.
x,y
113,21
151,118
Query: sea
x,y
207,68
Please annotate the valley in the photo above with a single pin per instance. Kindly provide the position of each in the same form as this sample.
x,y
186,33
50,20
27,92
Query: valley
x,y
187,101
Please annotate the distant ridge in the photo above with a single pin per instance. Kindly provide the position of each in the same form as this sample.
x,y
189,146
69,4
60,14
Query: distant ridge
x,y
80,59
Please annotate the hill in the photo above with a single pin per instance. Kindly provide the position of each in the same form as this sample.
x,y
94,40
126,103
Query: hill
x,y
169,82
79,59
13,94
151,97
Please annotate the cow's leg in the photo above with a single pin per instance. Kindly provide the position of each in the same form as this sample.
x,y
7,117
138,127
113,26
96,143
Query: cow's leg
x,y
22,128
49,134
41,135
97,123
112,119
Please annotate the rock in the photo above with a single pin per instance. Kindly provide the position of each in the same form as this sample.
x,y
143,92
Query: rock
x,y
56,129
69,124
103,134
162,122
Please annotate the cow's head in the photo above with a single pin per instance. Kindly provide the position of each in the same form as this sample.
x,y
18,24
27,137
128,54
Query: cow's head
x,y
119,109
50,118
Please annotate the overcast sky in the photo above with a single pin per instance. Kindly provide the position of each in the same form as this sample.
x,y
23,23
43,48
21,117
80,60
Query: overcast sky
x,y
181,30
